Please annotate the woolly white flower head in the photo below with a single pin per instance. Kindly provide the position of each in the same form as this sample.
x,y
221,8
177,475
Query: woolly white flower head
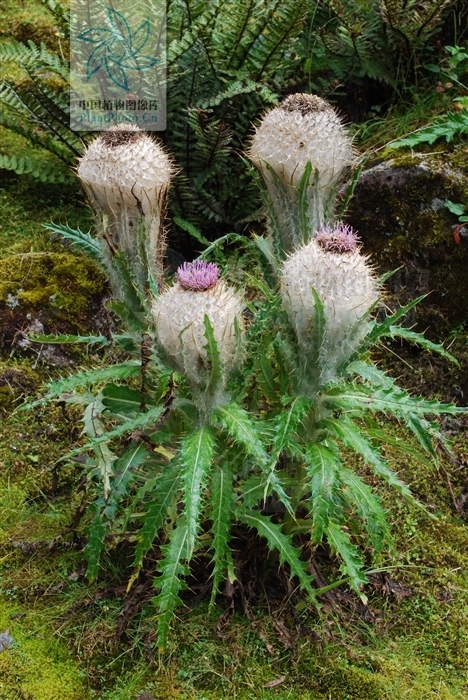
x,y
179,317
124,167
303,128
333,266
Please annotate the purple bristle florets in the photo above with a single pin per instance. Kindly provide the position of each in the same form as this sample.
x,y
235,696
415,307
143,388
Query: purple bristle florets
x,y
339,238
198,276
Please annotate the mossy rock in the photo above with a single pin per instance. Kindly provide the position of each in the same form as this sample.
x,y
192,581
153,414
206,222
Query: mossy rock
x,y
60,290
399,212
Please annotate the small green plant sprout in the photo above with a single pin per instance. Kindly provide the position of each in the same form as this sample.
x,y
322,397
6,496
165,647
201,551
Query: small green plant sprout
x,y
183,449
453,67
458,209
303,152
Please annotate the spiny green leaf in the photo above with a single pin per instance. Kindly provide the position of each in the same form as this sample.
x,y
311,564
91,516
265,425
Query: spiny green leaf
x,y
221,508
212,352
242,428
87,378
121,400
140,422
392,400
352,564
163,491
84,242
352,437
69,339
368,508
425,433
303,201
382,436
380,330
95,544
285,426
196,457
370,374
281,543
323,471
419,339
169,583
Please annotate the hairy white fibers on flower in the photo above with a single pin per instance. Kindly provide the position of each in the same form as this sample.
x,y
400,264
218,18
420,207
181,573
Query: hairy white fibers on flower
x,y
347,288
125,167
179,316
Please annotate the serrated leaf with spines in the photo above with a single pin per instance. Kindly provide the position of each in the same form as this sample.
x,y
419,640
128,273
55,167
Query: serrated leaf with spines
x,y
350,435
173,568
281,543
351,563
84,242
87,378
221,509
196,457
162,495
368,507
323,473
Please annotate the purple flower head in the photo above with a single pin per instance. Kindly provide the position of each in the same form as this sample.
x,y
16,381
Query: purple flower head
x,y
339,238
198,276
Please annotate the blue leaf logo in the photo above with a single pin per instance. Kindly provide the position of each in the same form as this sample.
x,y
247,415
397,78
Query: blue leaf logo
x,y
118,49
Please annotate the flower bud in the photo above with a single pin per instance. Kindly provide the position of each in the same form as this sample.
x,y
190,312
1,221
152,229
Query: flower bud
x,y
303,128
334,267
179,316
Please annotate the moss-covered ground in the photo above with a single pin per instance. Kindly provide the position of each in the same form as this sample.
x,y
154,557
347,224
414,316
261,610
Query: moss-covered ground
x,y
409,643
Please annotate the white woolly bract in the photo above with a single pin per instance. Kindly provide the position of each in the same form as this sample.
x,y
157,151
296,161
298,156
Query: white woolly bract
x,y
125,168
287,139
179,320
347,288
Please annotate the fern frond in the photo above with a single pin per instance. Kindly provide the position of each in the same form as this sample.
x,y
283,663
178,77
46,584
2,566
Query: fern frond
x,y
43,170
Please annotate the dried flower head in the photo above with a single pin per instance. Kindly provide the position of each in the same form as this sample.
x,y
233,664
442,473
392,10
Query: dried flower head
x,y
198,275
339,238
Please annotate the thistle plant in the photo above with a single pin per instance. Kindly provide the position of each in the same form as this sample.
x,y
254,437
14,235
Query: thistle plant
x,y
303,153
180,446
126,175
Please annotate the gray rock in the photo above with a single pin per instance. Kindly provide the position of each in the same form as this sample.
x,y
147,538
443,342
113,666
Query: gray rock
x,y
398,210
6,640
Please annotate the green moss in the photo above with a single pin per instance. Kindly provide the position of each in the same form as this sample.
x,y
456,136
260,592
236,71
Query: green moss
x,y
37,666
61,287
